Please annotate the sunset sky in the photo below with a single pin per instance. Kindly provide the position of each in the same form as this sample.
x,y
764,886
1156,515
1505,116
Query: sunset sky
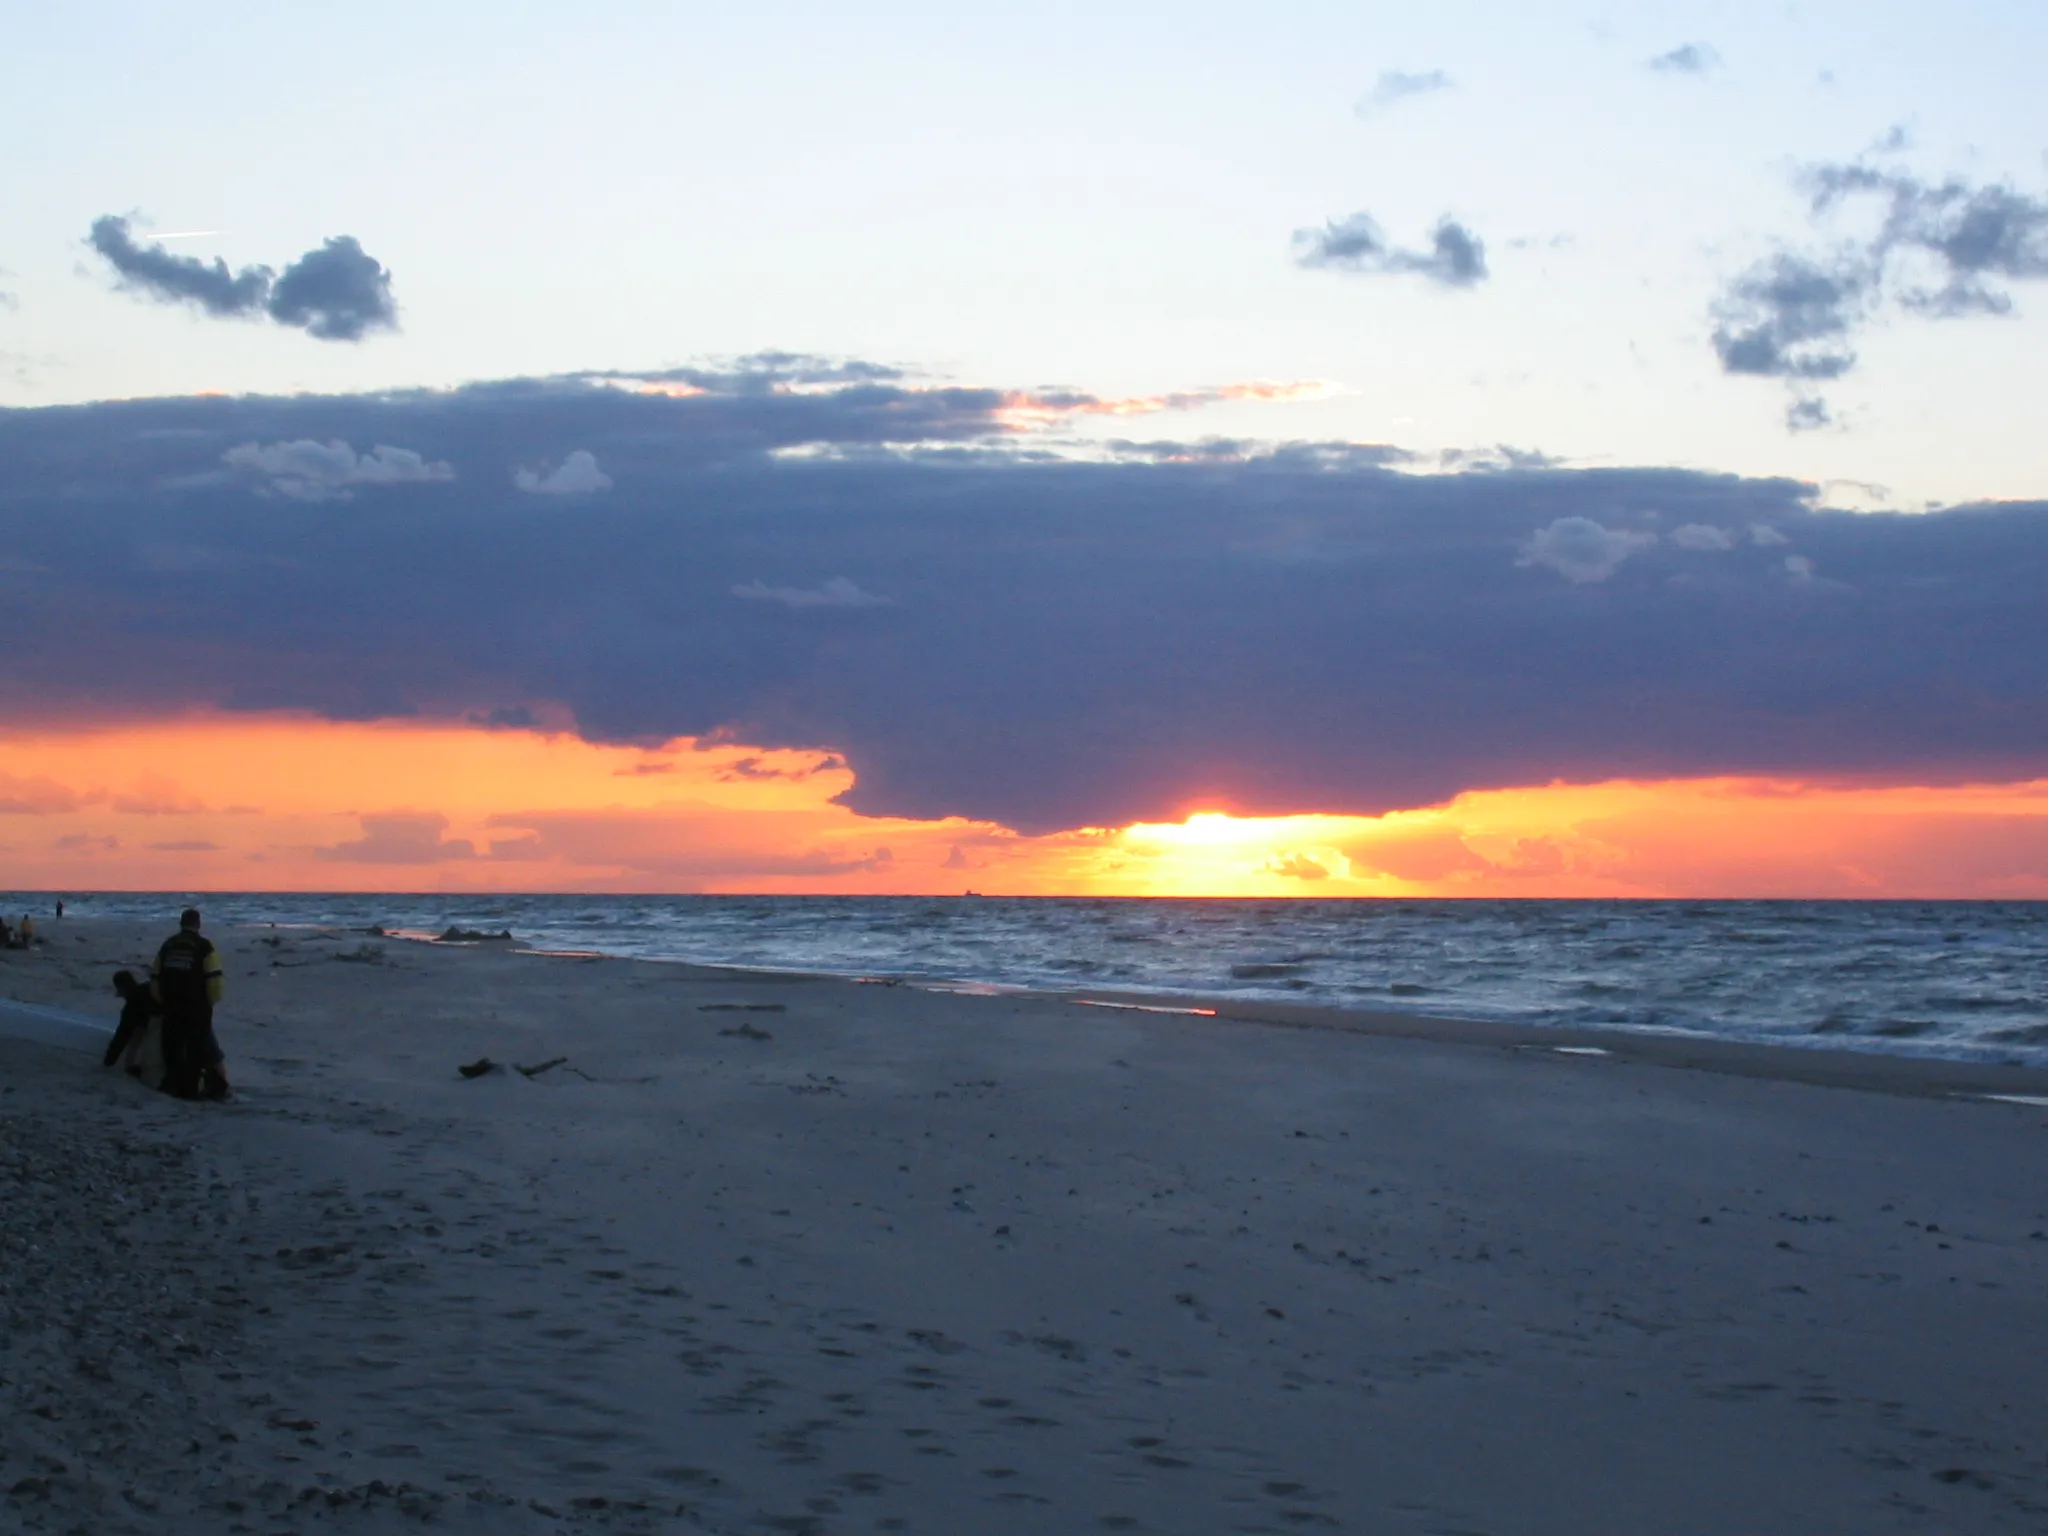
x,y
1212,449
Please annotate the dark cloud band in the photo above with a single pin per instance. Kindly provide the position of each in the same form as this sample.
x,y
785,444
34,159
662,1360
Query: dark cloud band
x,y
995,633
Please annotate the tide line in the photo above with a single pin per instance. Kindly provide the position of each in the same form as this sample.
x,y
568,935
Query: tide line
x,y
1096,1002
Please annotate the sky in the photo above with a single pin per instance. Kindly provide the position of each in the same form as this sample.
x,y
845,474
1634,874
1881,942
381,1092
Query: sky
x,y
1295,449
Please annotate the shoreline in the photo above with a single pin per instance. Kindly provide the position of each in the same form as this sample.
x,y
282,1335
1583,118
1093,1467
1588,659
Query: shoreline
x,y
1831,1065
1819,1062
1943,987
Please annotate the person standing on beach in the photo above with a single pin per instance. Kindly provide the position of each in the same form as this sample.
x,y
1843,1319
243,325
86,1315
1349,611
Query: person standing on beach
x,y
187,982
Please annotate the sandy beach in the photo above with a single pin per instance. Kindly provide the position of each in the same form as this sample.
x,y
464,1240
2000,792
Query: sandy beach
x,y
767,1253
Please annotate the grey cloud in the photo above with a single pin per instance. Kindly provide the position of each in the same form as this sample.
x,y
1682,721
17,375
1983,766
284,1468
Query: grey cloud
x,y
1456,257
1070,643
1808,414
1396,85
152,270
85,842
337,293
1686,59
513,717
1790,318
1971,233
400,837
1942,250
765,372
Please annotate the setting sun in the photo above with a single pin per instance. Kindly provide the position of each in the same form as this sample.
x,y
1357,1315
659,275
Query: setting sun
x,y
233,802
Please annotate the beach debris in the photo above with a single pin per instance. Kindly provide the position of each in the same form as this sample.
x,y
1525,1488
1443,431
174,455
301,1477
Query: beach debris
x,y
747,1032
478,1067
535,1071
743,1007
475,936
362,954
375,931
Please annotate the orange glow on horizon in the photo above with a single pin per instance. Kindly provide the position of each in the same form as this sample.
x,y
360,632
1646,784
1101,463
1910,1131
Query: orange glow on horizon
x,y
273,802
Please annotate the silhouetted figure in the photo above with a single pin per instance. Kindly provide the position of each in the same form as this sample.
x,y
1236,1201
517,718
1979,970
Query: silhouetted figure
x,y
60,906
187,981
137,1009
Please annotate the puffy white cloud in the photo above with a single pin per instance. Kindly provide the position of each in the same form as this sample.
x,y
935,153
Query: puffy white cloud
x,y
1581,550
577,475
835,593
1704,536
310,471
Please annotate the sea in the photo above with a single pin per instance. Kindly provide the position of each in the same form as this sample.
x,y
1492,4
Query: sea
x,y
1966,980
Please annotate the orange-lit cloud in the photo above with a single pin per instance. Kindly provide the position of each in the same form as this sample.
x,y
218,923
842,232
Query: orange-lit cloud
x,y
1027,410
283,803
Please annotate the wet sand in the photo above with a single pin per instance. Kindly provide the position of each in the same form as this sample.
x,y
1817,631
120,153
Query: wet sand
x,y
784,1254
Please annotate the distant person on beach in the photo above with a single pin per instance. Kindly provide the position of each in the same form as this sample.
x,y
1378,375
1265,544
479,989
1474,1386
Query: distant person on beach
x,y
60,907
27,930
187,982
138,1007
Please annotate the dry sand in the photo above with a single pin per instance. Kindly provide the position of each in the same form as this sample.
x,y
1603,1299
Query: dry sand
x,y
774,1254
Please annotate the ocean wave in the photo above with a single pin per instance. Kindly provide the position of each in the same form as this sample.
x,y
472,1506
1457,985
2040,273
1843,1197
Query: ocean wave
x,y
1910,977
